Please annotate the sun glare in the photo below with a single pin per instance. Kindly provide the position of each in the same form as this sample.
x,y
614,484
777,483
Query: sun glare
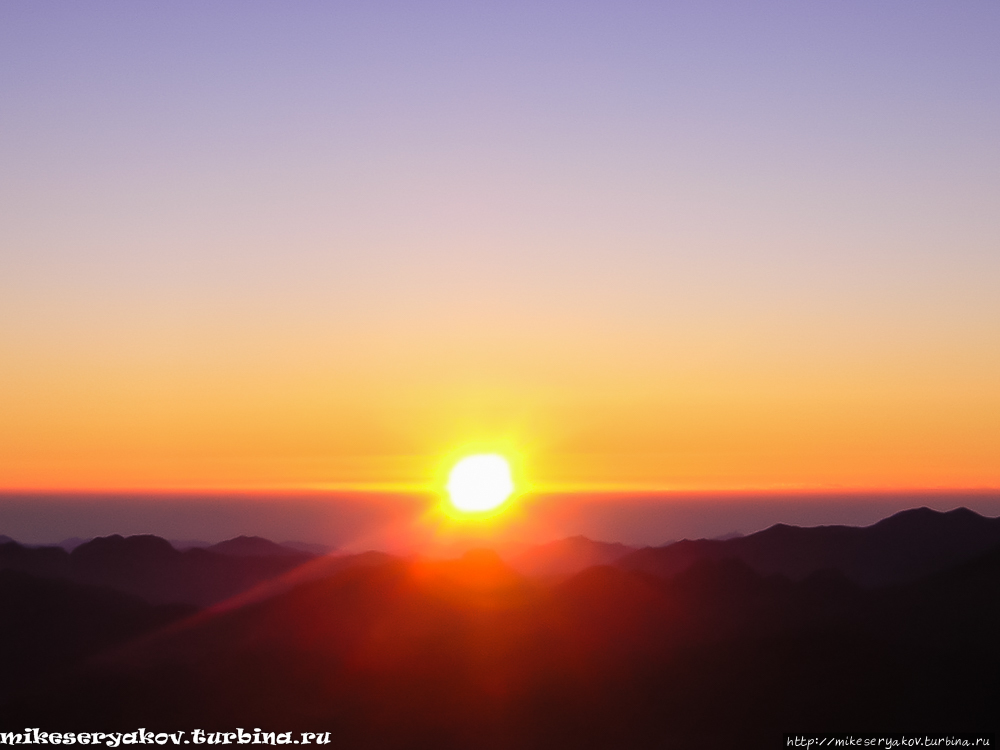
x,y
480,483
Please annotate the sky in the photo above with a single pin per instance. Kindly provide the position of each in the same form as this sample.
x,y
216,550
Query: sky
x,y
644,246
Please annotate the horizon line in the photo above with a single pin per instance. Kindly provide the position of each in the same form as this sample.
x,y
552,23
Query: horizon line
x,y
539,489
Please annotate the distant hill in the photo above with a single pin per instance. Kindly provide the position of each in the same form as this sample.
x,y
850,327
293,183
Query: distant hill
x,y
150,568
67,544
567,556
901,548
51,562
255,546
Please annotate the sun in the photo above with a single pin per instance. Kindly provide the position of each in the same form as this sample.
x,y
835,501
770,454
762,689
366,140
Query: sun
x,y
480,483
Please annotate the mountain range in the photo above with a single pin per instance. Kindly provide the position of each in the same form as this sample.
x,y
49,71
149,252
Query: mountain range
x,y
149,568
901,548
701,644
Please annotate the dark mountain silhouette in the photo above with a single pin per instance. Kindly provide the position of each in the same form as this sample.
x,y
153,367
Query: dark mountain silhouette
x,y
314,570
901,548
43,561
117,556
255,546
389,653
47,625
567,556
150,568
469,654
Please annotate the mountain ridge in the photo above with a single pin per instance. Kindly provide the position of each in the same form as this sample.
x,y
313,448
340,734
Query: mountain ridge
x,y
149,567
386,652
900,548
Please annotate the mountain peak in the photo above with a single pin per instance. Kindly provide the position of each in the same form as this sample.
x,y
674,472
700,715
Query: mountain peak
x,y
903,547
145,547
927,520
254,546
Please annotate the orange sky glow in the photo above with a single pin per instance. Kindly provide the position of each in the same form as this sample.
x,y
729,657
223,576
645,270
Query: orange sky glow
x,y
634,248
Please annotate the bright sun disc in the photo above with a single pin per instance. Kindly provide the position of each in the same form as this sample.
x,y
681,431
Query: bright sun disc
x,y
480,483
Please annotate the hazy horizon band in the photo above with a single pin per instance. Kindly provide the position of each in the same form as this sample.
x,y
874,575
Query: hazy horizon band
x,y
398,520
